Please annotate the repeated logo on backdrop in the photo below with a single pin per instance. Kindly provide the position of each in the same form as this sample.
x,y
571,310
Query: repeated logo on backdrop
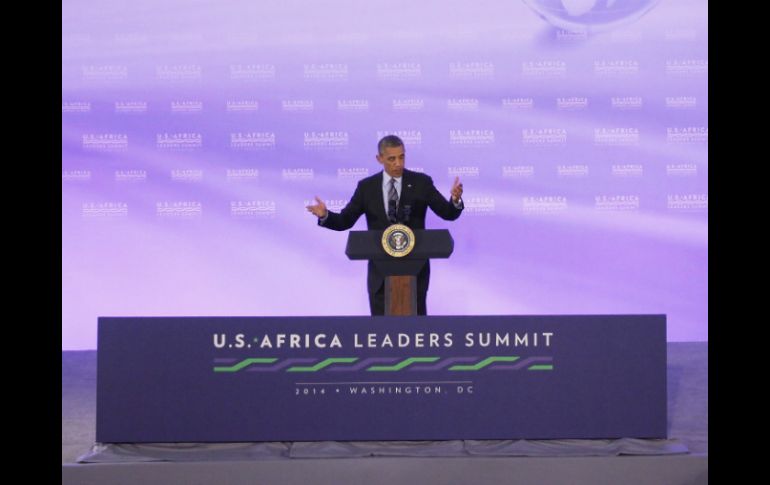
x,y
563,118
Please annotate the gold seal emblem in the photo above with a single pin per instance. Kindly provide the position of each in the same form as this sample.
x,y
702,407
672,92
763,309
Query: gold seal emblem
x,y
398,240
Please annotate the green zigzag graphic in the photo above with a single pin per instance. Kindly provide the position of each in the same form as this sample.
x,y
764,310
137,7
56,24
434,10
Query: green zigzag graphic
x,y
325,363
401,365
484,363
246,362
382,368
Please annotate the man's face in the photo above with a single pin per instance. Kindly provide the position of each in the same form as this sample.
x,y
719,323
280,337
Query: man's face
x,y
392,160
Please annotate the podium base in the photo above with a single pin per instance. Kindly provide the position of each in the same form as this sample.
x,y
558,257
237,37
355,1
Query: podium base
x,y
401,295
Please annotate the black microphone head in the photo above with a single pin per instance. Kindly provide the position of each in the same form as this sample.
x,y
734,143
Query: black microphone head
x,y
407,212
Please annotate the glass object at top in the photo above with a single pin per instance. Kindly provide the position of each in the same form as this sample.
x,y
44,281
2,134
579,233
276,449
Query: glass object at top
x,y
590,15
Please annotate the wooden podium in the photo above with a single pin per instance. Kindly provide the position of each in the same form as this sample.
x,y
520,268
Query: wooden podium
x,y
400,272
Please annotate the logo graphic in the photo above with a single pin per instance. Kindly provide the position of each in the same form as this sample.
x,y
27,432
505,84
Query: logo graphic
x,y
325,140
688,134
627,170
543,136
616,68
297,105
105,142
104,72
687,201
130,106
544,204
543,69
297,174
471,70
686,67
104,209
241,106
616,202
411,138
353,105
408,104
178,72
471,137
482,205
252,140
627,102
252,209
398,240
178,141
518,171
187,175
398,71
462,104
616,136
681,102
333,204
186,106
681,169
179,209
352,173
242,174
326,72
574,170
76,175
566,35
518,103
572,103
253,72
130,175
463,171
75,106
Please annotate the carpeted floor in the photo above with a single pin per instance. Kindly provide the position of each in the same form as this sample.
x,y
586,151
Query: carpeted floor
x,y
687,398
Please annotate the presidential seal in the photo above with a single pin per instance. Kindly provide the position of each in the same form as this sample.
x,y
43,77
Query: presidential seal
x,y
398,240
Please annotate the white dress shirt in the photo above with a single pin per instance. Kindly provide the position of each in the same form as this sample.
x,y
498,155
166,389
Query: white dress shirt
x,y
386,188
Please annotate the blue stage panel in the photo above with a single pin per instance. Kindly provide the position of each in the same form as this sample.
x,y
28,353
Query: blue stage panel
x,y
221,379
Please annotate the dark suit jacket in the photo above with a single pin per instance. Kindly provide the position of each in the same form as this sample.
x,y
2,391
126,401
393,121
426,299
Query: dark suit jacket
x,y
417,191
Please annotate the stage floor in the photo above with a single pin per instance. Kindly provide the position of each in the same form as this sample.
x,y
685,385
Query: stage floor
x,y
687,422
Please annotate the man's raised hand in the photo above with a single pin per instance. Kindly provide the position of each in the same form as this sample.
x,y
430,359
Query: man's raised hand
x,y
457,190
319,209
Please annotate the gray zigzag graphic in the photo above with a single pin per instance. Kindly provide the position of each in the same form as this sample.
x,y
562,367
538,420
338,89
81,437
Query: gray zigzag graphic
x,y
523,363
444,363
364,363
280,365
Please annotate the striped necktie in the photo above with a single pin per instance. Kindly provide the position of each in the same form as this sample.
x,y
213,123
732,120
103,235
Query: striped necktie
x,y
392,200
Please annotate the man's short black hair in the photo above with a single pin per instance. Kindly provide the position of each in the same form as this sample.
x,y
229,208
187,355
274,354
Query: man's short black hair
x,y
389,141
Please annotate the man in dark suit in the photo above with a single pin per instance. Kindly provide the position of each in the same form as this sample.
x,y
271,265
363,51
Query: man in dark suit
x,y
393,195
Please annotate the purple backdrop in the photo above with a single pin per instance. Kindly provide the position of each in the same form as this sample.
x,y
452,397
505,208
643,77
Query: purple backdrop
x,y
194,133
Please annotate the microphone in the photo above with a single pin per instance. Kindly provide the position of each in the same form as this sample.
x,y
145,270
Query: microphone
x,y
392,211
407,213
